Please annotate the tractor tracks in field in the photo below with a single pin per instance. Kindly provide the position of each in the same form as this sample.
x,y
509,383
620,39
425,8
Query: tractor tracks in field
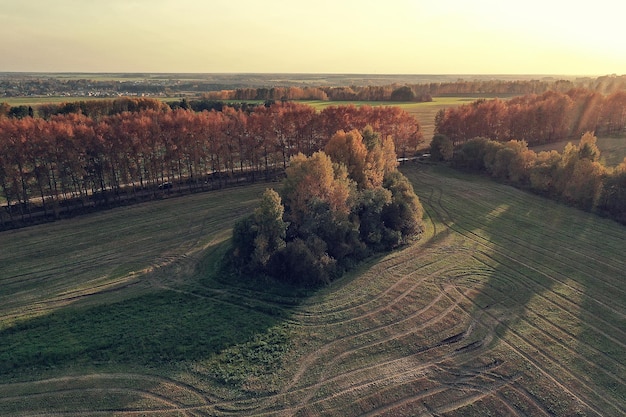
x,y
166,395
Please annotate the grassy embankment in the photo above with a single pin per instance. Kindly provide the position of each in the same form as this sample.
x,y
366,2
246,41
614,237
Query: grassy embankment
x,y
510,304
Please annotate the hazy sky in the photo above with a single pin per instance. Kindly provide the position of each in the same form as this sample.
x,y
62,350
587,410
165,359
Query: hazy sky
x,y
329,36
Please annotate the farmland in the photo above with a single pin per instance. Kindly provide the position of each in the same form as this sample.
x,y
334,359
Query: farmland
x,y
510,304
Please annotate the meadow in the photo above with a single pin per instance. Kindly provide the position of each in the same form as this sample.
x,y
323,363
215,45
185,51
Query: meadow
x,y
510,304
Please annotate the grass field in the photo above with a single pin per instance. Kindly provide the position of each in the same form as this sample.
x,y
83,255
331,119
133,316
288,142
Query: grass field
x,y
509,305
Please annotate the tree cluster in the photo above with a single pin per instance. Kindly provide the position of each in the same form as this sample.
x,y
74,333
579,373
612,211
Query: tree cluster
x,y
575,176
536,119
46,161
100,108
335,207
352,93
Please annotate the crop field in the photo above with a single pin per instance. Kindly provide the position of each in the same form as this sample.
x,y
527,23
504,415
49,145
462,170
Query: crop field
x,y
509,305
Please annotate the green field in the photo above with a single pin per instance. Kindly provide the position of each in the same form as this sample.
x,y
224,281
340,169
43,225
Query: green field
x,y
509,305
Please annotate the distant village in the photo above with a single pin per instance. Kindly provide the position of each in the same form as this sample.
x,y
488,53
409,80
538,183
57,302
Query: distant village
x,y
28,86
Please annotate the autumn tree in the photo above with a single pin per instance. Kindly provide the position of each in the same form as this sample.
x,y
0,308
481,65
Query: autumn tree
x,y
312,179
349,149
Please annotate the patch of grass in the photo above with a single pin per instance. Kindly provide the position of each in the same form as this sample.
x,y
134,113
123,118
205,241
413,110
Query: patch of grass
x,y
149,330
244,364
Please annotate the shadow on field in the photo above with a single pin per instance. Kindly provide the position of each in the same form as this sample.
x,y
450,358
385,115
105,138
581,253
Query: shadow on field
x,y
551,294
190,322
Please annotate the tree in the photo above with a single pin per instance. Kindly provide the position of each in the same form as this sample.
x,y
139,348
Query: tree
x,y
257,237
404,213
315,177
403,93
613,198
587,147
349,149
441,148
269,227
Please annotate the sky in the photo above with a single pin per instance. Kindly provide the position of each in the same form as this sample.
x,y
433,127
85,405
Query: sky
x,y
315,36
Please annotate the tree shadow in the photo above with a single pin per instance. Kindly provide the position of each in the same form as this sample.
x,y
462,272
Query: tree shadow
x,y
547,296
185,322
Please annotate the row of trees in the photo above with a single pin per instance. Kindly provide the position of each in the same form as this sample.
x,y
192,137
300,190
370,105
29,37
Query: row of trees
x,y
352,93
536,119
420,92
101,108
74,156
335,207
575,176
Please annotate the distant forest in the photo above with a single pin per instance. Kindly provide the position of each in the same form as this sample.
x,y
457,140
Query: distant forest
x,y
545,118
294,86
421,92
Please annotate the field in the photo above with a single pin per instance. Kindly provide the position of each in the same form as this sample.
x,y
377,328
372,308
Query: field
x,y
509,305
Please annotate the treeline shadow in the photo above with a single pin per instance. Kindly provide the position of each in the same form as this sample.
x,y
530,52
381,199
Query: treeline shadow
x,y
191,322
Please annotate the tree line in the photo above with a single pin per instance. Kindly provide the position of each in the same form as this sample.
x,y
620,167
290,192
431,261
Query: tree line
x,y
44,162
421,92
549,117
335,208
576,176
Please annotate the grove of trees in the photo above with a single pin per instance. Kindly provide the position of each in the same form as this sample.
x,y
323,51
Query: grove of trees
x,y
575,176
45,162
549,117
335,207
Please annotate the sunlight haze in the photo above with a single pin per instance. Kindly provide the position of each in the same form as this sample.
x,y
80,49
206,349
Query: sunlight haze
x,y
324,36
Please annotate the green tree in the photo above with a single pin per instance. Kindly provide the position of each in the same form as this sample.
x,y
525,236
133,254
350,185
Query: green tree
x,y
269,226
258,236
404,213
403,93
441,148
